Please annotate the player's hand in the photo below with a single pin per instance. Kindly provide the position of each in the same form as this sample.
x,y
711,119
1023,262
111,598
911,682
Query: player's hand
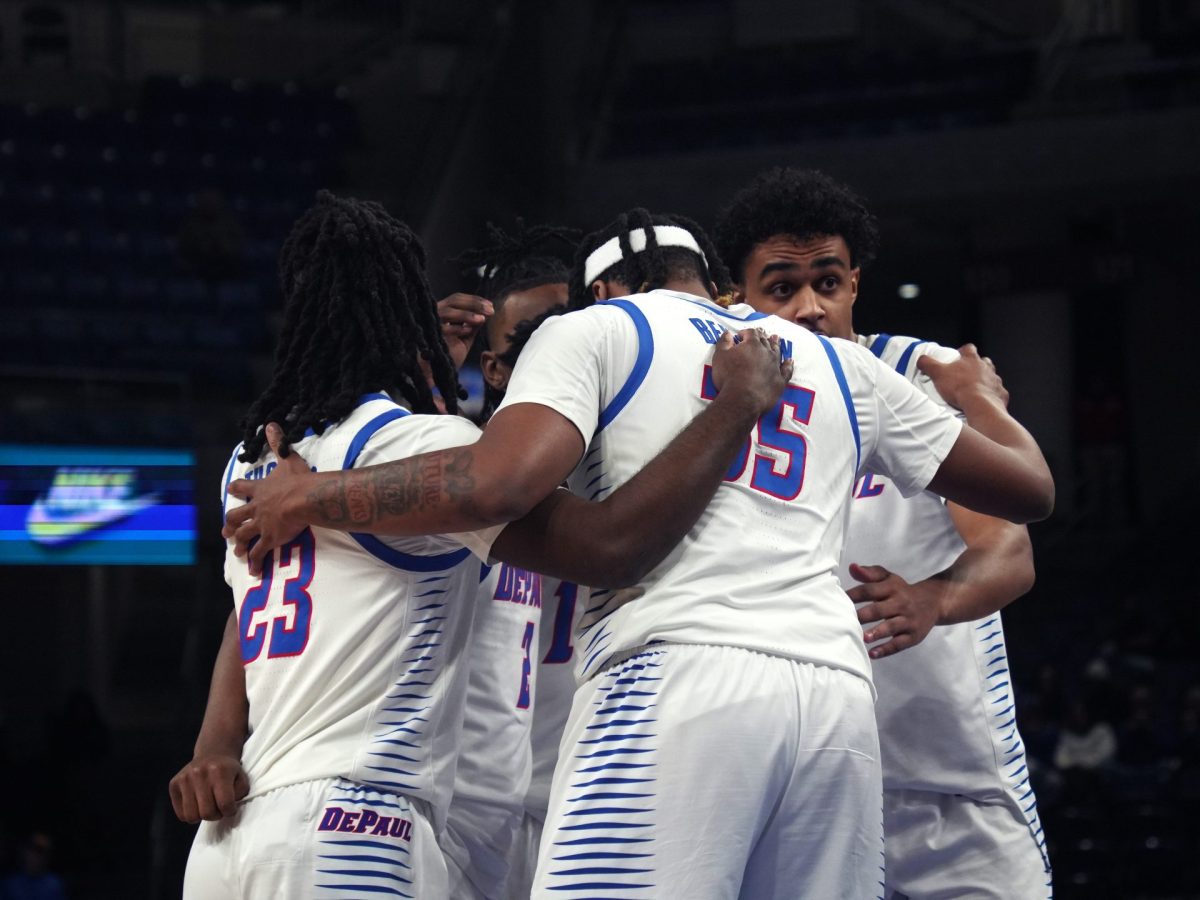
x,y
462,315
267,520
749,367
209,788
893,608
969,373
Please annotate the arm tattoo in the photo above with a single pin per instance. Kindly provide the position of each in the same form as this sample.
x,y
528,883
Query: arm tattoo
x,y
422,483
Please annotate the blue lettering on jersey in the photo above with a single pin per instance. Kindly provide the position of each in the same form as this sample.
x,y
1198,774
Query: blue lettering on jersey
x,y
518,586
709,330
868,488
785,348
260,472
365,821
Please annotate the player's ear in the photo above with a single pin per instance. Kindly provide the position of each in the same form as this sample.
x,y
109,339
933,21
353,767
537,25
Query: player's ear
x,y
599,290
493,370
738,293
854,273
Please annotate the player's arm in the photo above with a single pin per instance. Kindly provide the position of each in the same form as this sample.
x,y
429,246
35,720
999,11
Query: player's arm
x,y
210,785
995,569
995,466
496,480
615,542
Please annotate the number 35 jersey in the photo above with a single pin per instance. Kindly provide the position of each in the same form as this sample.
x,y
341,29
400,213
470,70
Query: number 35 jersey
x,y
758,570
352,644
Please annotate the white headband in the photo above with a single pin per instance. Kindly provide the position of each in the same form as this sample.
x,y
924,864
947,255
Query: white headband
x,y
609,253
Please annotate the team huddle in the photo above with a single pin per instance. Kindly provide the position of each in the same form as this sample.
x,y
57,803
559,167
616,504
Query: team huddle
x,y
709,608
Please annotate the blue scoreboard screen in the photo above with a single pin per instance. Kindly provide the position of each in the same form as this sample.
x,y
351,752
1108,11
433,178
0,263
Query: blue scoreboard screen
x,y
96,505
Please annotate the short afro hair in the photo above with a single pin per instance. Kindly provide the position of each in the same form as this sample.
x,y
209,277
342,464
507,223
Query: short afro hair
x,y
803,203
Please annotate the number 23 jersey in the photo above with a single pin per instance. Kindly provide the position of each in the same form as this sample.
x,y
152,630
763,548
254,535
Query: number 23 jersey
x,y
351,643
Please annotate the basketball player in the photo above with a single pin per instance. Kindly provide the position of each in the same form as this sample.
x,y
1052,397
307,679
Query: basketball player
x,y
514,638
351,645
688,765
960,819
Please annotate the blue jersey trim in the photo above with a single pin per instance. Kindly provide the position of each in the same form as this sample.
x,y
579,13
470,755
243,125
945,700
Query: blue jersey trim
x,y
367,432
484,571
878,345
640,366
228,478
718,311
846,397
902,363
407,561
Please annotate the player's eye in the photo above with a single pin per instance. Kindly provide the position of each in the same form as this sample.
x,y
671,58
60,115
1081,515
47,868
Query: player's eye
x,y
781,289
829,283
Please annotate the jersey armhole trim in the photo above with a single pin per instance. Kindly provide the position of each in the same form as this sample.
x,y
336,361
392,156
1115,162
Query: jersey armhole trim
x,y
409,562
641,365
880,344
902,362
840,375
228,479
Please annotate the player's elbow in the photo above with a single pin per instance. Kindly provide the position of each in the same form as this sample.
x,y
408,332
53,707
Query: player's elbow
x,y
1035,502
500,503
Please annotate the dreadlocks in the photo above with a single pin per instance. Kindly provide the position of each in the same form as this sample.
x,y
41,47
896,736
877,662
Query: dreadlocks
x,y
651,267
511,262
803,203
359,318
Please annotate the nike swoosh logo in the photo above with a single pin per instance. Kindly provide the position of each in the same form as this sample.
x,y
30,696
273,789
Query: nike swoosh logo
x,y
44,527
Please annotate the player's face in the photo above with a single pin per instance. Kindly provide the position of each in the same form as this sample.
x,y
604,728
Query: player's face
x,y
516,308
808,282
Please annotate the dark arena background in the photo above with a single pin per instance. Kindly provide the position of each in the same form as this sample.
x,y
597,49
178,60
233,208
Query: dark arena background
x,y
1036,168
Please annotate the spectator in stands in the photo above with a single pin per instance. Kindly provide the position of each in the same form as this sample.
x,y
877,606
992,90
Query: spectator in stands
x,y
1086,748
33,879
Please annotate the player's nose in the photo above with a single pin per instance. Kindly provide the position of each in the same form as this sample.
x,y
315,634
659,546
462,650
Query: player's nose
x,y
805,309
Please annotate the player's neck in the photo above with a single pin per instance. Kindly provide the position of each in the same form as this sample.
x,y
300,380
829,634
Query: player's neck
x,y
693,286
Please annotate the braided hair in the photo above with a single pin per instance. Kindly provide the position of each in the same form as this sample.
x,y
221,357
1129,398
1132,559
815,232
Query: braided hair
x,y
649,268
511,262
359,317
802,203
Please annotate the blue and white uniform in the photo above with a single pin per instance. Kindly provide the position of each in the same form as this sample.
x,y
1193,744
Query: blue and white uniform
x,y
494,762
960,817
722,742
355,679
555,688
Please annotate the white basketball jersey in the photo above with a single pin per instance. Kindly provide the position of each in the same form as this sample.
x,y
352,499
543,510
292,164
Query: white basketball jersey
x,y
352,643
555,686
945,708
493,764
758,570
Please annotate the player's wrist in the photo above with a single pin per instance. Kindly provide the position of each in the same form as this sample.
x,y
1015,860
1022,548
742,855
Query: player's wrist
x,y
738,406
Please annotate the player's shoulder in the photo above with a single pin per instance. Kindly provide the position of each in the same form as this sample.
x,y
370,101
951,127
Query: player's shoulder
x,y
412,434
901,352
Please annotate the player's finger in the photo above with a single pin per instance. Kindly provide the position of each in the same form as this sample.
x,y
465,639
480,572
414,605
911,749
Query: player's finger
x,y
223,798
244,536
275,440
726,340
241,784
256,554
187,810
233,521
869,592
868,573
176,799
885,629
458,306
786,367
242,488
892,647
